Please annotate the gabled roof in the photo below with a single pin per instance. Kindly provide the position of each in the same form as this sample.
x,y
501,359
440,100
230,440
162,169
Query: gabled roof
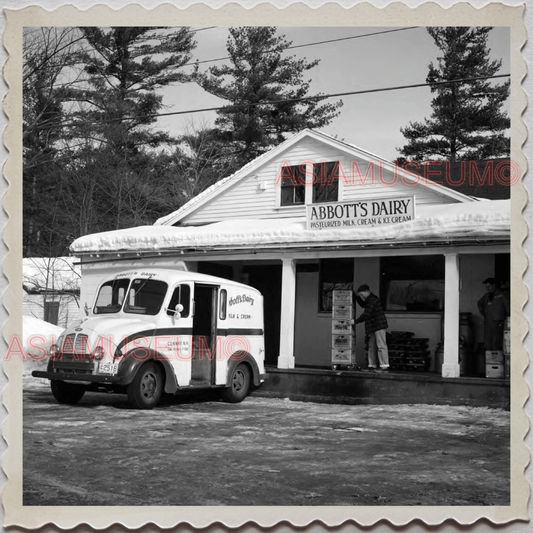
x,y
228,182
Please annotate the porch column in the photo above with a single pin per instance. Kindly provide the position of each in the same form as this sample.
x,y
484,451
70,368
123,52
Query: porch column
x,y
450,367
288,308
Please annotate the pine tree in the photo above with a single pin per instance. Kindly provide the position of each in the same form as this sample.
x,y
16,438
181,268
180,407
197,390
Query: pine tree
x,y
126,67
259,72
467,122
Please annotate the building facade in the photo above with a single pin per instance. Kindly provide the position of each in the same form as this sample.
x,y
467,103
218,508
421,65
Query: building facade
x,y
315,215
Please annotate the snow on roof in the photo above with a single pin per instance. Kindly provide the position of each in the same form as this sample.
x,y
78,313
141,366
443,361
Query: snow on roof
x,y
478,220
51,273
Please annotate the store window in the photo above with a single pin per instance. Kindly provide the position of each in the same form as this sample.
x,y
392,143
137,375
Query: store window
x,y
292,185
326,182
334,274
413,283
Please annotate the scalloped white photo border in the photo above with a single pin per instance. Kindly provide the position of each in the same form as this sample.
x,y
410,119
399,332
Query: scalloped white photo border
x,y
331,14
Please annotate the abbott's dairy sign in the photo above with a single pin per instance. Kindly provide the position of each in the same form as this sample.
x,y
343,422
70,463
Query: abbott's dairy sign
x,y
361,213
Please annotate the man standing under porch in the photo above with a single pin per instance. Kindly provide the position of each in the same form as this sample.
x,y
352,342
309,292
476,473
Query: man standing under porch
x,y
376,326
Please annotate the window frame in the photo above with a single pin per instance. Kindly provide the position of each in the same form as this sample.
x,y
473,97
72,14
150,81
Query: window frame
x,y
298,174
318,180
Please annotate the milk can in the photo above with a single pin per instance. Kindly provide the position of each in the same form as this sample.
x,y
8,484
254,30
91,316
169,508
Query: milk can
x,y
439,357
466,332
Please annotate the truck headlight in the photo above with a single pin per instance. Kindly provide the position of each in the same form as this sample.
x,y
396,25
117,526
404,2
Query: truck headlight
x,y
98,353
54,351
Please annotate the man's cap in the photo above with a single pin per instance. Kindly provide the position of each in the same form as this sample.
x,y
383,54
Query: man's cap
x,y
492,281
363,288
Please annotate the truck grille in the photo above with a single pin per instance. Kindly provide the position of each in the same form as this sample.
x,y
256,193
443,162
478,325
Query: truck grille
x,y
74,356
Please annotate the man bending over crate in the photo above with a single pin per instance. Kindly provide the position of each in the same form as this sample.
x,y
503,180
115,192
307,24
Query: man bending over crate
x,y
375,326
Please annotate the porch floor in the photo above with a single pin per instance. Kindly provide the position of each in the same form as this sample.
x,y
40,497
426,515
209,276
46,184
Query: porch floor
x,y
392,387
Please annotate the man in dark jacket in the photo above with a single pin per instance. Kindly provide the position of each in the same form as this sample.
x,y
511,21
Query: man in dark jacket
x,y
494,306
376,326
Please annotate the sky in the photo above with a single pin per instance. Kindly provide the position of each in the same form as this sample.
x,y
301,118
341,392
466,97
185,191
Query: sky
x,y
370,121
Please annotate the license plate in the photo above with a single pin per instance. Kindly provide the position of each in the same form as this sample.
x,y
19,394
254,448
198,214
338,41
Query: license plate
x,y
108,368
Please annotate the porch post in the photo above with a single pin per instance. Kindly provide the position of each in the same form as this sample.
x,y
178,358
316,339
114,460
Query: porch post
x,y
450,367
288,308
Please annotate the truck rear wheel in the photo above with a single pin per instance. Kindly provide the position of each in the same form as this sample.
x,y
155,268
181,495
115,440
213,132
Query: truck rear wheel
x,y
66,392
145,391
239,384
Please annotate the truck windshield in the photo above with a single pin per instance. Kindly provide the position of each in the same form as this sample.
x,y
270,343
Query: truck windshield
x,y
111,296
145,296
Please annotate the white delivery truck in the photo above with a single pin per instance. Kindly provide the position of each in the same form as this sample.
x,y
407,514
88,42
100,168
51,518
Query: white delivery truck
x,y
158,330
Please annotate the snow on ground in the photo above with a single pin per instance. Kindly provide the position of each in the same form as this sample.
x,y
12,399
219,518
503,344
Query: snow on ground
x,y
37,337
483,219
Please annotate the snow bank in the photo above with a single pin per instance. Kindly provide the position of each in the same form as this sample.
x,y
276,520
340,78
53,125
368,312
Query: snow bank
x,y
36,336
472,220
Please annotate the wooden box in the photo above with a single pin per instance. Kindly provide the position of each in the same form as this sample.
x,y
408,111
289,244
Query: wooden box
x,y
342,298
342,312
342,357
342,327
341,342
495,371
493,357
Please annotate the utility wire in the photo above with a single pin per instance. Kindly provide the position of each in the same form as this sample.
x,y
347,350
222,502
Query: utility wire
x,y
232,107
309,44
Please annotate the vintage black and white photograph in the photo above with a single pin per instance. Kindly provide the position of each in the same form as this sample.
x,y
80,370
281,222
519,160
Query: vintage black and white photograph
x,y
268,265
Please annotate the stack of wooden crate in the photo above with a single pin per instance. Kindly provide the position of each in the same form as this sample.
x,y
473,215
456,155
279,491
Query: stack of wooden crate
x,y
343,336
494,364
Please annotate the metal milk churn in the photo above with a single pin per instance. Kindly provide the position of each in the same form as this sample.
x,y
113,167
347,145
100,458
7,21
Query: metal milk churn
x,y
439,357
466,332
466,342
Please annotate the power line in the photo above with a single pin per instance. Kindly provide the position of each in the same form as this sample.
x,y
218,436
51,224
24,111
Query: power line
x,y
230,107
310,44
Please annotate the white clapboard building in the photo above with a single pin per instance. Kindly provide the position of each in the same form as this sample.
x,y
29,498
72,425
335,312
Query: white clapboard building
x,y
314,215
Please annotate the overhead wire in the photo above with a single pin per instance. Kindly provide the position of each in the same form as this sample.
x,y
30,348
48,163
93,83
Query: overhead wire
x,y
230,107
328,41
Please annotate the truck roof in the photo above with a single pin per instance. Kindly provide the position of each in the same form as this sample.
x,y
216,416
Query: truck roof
x,y
175,276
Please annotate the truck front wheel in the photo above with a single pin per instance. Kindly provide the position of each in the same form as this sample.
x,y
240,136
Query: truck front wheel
x,y
239,384
145,391
66,392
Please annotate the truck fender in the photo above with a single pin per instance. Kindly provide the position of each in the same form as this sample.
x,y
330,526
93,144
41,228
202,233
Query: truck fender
x,y
133,360
243,357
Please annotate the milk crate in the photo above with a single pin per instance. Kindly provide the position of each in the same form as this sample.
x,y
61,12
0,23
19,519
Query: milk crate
x,y
494,357
341,342
342,357
342,312
495,371
342,298
342,327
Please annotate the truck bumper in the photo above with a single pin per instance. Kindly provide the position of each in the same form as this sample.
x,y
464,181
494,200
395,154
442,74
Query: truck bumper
x,y
68,376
